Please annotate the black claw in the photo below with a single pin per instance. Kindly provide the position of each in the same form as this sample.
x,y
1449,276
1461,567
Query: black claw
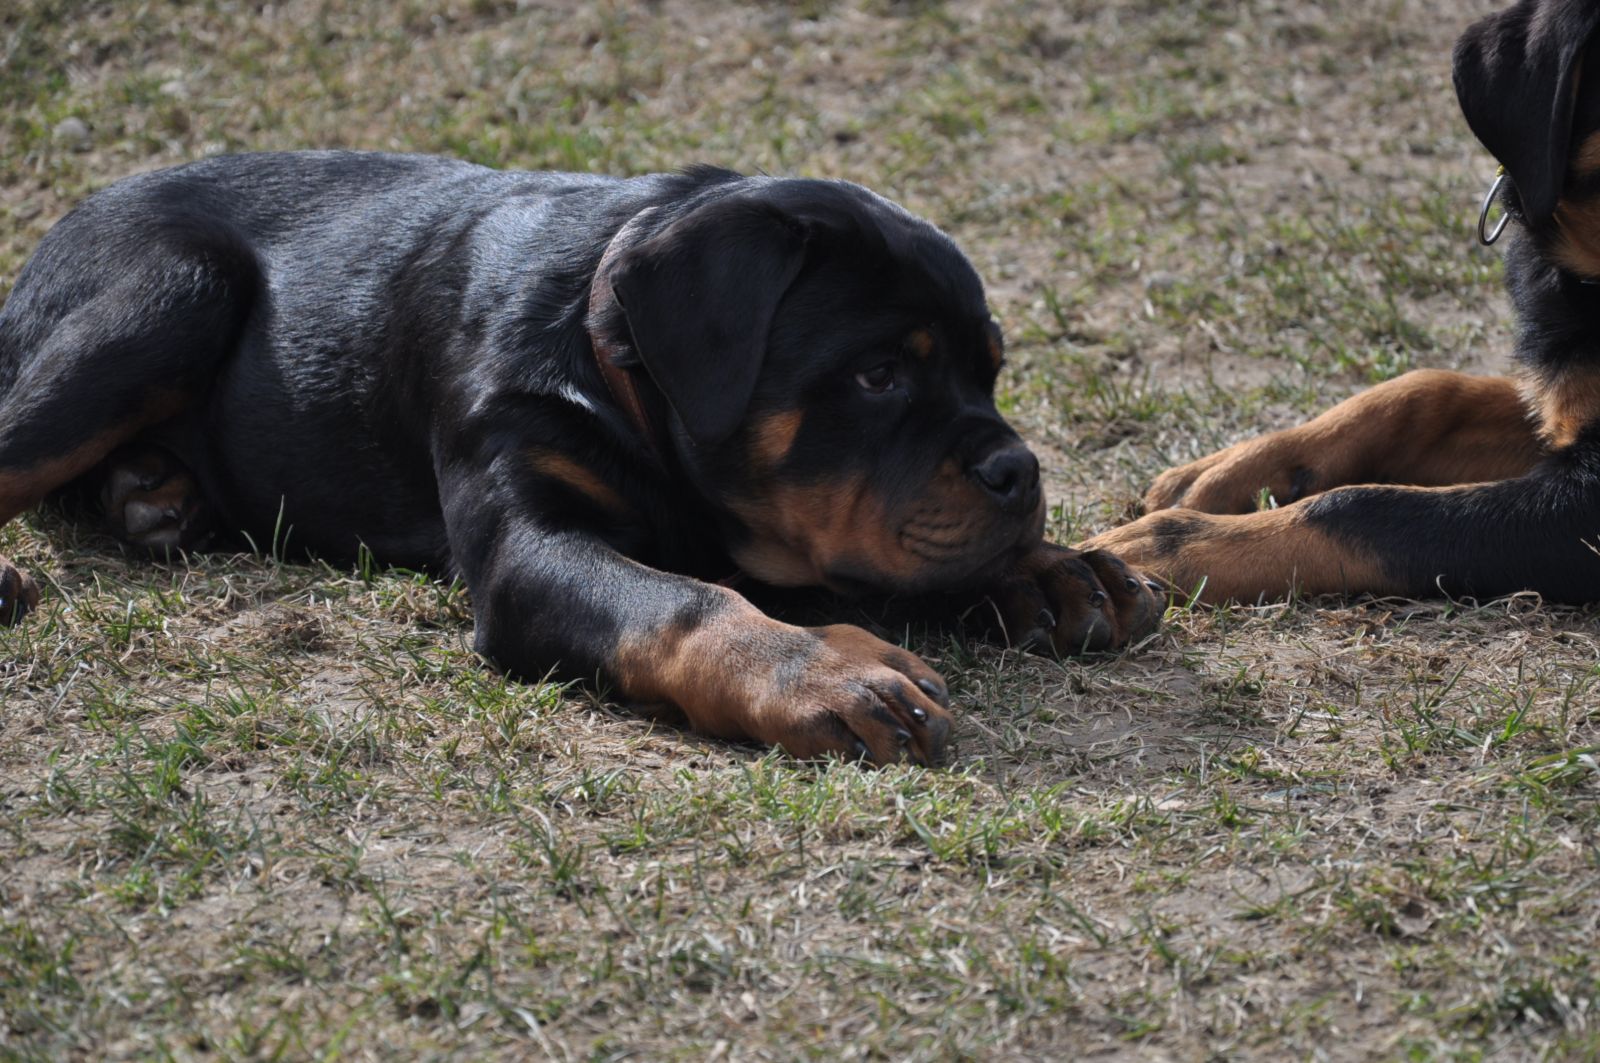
x,y
934,691
1097,599
902,736
1046,619
862,752
1132,583
1155,588
920,715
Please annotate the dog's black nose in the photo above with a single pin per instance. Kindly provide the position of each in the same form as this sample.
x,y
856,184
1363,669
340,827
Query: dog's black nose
x,y
1011,475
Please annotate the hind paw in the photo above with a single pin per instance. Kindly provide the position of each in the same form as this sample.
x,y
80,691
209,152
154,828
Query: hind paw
x,y
19,595
152,501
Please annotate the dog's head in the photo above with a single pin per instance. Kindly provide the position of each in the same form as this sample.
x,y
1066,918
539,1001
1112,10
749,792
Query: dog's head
x,y
1528,79
829,361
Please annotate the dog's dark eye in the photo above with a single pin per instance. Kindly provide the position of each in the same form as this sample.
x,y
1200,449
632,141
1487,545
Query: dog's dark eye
x,y
878,379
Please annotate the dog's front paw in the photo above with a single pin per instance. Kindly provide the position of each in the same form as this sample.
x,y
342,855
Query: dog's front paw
x,y
19,595
1237,480
1075,601
856,696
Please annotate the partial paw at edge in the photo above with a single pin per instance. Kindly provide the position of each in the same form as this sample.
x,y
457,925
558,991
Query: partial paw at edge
x,y
19,594
1066,601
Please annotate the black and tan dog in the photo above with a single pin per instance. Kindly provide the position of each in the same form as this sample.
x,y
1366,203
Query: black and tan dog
x,y
587,396
1471,485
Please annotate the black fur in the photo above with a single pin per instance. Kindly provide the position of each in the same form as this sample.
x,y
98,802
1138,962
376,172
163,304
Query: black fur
x,y
1514,74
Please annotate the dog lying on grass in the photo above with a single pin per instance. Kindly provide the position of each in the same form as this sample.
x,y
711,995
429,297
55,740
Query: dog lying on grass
x,y
1438,481
591,398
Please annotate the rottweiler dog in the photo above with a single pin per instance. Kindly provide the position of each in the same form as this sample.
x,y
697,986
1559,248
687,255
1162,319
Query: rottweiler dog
x,y
588,397
1438,481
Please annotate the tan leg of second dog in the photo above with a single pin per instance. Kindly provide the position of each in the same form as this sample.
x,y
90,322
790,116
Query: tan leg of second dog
x,y
1428,428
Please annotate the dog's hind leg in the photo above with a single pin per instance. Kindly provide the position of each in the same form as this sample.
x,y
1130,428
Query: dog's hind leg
x,y
88,359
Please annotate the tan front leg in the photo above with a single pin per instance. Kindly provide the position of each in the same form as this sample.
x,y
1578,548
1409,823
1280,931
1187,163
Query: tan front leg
x,y
1428,428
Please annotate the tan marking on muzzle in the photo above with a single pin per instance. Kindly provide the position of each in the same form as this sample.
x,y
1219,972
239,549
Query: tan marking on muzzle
x,y
802,532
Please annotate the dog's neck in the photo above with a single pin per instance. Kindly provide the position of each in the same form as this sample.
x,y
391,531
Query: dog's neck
x,y
1557,311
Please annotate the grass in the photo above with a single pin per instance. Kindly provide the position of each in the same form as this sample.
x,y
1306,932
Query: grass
x,y
258,809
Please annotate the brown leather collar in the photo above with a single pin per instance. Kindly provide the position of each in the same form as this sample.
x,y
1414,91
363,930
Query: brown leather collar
x,y
622,383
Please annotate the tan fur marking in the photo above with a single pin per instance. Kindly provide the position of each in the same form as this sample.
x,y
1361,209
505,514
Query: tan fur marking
x,y
564,470
1586,160
1429,427
779,563
1278,543
1578,248
801,532
1567,405
709,669
737,673
1246,557
920,342
798,529
773,437
22,489
996,352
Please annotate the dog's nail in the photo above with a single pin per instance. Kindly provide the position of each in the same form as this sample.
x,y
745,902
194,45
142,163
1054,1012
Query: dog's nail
x,y
1132,584
1097,599
1046,619
920,715
933,690
1155,587
902,736
862,752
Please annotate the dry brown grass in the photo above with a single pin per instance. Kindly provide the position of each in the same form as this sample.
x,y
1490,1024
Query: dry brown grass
x,y
261,809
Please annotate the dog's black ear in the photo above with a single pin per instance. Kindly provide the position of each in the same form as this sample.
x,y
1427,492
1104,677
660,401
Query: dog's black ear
x,y
699,297
1516,75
